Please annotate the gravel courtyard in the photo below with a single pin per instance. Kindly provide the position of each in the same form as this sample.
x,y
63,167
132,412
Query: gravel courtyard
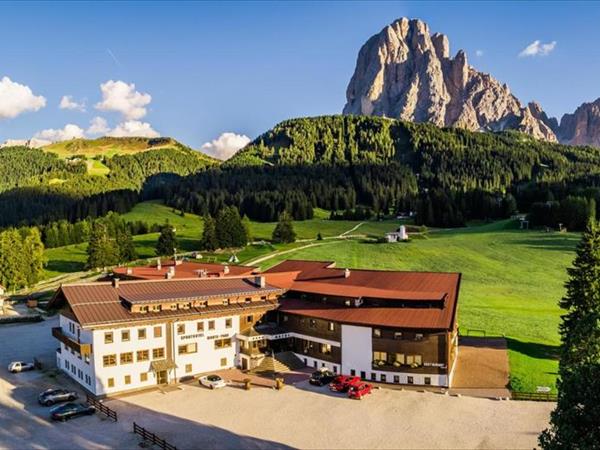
x,y
299,416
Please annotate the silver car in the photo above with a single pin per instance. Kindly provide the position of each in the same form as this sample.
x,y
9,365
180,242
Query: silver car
x,y
53,396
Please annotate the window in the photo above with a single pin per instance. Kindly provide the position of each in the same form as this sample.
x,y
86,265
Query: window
x,y
109,360
141,333
144,309
398,335
363,375
312,323
418,360
334,369
158,353
173,306
400,359
127,379
157,332
143,355
326,349
143,377
383,378
428,380
396,379
250,319
211,324
200,326
156,308
188,368
87,359
108,337
414,360
126,358
376,332
418,337
111,382
226,302
379,356
352,372
187,349
223,362
410,380
373,376
285,318
68,365
222,343
227,323
125,335
331,326
181,328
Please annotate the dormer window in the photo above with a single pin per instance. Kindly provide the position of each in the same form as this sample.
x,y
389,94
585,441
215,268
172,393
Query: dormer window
x,y
226,302
173,306
143,309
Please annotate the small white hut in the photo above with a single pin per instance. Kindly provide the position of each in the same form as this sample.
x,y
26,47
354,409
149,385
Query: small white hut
x,y
400,235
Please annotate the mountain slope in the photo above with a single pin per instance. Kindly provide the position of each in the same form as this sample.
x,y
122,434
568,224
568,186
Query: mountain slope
x,y
405,72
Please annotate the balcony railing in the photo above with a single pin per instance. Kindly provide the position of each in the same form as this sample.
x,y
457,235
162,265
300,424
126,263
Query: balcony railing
x,y
82,349
410,368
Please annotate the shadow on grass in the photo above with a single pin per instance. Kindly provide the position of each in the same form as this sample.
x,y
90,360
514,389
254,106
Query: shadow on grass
x,y
552,241
64,266
534,349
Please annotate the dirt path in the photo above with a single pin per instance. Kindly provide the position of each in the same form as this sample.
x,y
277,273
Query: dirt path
x,y
284,252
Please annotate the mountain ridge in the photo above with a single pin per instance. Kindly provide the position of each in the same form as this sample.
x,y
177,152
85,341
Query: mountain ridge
x,y
405,72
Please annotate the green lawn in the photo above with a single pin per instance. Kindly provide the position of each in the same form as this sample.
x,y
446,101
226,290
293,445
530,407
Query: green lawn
x,y
512,281
95,167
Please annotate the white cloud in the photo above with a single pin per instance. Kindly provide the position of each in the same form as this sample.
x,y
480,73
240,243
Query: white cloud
x,y
98,125
133,128
479,53
17,98
537,48
225,145
67,102
70,131
123,98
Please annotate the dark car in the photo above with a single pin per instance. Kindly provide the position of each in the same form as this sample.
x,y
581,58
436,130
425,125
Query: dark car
x,y
70,410
53,396
321,377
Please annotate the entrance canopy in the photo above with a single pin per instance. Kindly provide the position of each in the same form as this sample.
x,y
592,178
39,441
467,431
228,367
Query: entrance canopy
x,y
162,364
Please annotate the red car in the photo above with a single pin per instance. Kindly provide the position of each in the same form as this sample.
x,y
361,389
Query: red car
x,y
359,391
342,383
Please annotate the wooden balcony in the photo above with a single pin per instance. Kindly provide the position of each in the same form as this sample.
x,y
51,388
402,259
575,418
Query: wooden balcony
x,y
82,349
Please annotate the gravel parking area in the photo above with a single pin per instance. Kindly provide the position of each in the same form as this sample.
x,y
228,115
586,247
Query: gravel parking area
x,y
299,416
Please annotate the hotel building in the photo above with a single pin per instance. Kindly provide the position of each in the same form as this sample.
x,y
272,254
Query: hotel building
x,y
389,327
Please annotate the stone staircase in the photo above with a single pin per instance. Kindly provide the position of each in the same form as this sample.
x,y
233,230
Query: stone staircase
x,y
278,363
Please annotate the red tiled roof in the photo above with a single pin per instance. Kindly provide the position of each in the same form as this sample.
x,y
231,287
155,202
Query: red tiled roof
x,y
185,269
322,278
101,303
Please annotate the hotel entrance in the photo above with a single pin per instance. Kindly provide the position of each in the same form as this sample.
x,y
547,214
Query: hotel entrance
x,y
161,377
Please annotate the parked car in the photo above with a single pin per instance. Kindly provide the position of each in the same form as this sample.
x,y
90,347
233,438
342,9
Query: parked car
x,y
358,391
212,381
342,383
71,410
20,366
52,396
321,377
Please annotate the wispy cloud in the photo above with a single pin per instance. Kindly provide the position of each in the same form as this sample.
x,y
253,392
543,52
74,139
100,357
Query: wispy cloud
x,y
67,102
537,48
479,53
114,58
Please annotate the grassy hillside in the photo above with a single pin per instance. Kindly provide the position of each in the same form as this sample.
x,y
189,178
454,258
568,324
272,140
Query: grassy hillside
x,y
108,146
512,281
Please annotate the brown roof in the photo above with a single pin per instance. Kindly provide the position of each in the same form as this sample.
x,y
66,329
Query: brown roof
x,y
184,269
322,278
102,303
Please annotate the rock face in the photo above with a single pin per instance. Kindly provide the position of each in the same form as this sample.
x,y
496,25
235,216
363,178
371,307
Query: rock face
x,y
405,72
583,126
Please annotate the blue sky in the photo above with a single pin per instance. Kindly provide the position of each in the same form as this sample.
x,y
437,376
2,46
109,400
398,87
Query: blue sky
x,y
241,67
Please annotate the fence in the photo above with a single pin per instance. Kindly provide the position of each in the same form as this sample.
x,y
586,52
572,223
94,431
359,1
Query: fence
x,y
110,413
148,436
535,396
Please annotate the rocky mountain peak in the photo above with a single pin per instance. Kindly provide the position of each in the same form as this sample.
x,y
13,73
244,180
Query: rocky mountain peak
x,y
405,72
583,126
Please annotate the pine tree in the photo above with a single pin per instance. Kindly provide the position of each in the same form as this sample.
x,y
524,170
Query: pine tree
x,y
575,423
230,229
102,250
284,230
209,235
167,241
125,245
33,256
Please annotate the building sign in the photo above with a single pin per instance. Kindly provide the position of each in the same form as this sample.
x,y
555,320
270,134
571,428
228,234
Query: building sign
x,y
217,336
441,365
192,336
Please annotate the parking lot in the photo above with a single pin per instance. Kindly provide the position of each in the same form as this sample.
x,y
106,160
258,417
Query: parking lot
x,y
299,416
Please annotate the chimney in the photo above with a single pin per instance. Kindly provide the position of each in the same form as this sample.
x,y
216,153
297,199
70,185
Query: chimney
x,y
129,271
115,283
158,264
346,273
168,275
226,270
259,281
